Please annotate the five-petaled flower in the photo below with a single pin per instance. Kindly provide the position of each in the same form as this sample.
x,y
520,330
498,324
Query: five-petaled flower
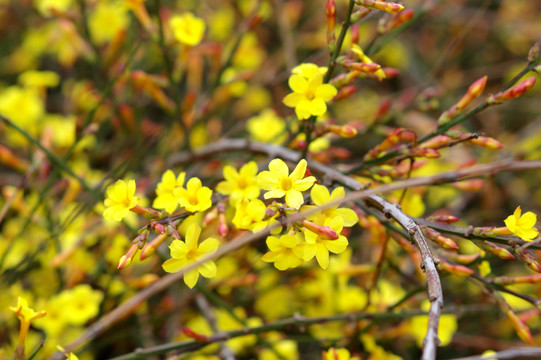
x,y
320,196
187,28
184,253
285,252
239,185
319,245
522,225
195,197
120,199
309,93
279,183
166,198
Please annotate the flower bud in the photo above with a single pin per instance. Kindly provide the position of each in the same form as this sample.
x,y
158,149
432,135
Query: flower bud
x,y
391,8
521,329
533,54
527,258
439,239
345,92
196,336
443,218
495,250
150,248
345,131
324,231
464,259
508,280
458,270
400,19
126,259
487,143
513,92
223,229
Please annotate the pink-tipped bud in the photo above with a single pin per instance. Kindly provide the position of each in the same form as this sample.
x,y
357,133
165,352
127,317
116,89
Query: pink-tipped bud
x,y
474,91
344,131
443,218
508,280
157,226
355,33
324,231
513,92
391,8
487,143
223,229
150,248
126,259
345,92
496,250
210,217
437,142
364,67
458,270
527,258
390,72
330,12
471,185
439,239
400,19
533,54
521,329
424,153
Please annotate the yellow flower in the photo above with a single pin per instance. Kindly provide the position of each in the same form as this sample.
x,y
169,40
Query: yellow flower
x,y
320,196
285,252
82,303
184,253
166,198
267,127
309,94
338,354
239,185
26,315
249,215
107,19
39,79
279,183
120,199
195,197
47,7
319,246
187,28
522,225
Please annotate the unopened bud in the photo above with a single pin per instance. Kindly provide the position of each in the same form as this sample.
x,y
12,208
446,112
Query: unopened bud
x,y
527,258
355,33
196,336
474,91
223,229
443,218
508,280
210,217
344,131
126,259
521,329
391,8
513,92
458,270
533,54
150,248
495,250
330,12
345,92
437,142
400,19
487,143
424,153
462,258
325,231
469,185
439,239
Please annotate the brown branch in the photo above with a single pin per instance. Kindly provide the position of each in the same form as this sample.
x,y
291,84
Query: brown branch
x,y
242,145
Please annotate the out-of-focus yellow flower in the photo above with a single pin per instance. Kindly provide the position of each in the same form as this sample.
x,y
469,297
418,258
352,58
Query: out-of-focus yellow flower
x,y
249,215
522,225
309,93
239,185
107,19
39,79
26,315
25,108
279,183
195,197
48,7
338,354
187,28
446,329
285,252
267,127
82,304
61,127
120,199
166,198
183,253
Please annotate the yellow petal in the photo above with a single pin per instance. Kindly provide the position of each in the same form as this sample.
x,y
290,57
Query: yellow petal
x,y
298,84
191,277
172,265
326,92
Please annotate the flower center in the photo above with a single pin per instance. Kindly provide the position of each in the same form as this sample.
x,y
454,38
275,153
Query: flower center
x,y
242,183
191,255
193,199
286,184
310,95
